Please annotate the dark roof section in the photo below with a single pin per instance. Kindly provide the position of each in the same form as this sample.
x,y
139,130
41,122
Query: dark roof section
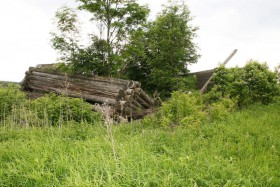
x,y
202,77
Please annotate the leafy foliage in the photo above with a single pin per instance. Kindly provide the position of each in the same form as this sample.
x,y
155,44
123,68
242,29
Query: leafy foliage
x,y
65,40
154,53
252,84
191,109
118,19
221,109
56,110
51,109
10,97
162,51
182,108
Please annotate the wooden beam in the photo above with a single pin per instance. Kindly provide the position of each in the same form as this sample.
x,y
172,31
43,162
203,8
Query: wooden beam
x,y
203,89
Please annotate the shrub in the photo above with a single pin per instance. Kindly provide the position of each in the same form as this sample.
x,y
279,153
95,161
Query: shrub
x,y
262,83
56,109
48,110
10,97
181,109
221,109
254,83
186,83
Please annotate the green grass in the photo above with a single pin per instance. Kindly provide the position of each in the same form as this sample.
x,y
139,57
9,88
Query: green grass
x,y
243,150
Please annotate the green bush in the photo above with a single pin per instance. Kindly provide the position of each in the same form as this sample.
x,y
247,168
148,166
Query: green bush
x,y
254,83
50,109
186,83
56,109
262,83
10,97
221,109
181,109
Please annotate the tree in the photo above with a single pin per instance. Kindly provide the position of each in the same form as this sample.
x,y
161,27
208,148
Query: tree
x,y
155,53
65,39
91,60
118,18
166,47
136,55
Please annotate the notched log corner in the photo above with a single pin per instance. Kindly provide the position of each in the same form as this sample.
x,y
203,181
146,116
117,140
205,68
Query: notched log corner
x,y
123,98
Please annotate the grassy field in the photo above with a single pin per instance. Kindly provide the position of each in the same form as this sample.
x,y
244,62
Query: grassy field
x,y
243,150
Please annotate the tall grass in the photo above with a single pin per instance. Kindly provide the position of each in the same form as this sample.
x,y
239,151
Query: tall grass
x,y
241,150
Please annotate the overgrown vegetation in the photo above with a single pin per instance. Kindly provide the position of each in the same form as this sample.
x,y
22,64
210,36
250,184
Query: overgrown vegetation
x,y
7,83
254,83
154,52
158,54
242,150
226,137
192,140
10,97
50,110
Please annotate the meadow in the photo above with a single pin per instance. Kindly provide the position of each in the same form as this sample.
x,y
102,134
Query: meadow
x,y
242,149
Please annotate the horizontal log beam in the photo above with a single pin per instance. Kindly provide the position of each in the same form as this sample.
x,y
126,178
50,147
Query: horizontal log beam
x,y
142,102
119,82
78,81
68,85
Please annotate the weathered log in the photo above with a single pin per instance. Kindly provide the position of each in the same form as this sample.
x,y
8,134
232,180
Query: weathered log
x,y
137,91
78,81
108,80
136,114
137,84
129,92
77,87
134,107
142,102
122,103
145,97
128,98
88,97
104,79
124,96
133,84
128,104
135,102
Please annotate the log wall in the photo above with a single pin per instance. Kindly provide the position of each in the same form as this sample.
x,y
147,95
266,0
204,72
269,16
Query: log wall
x,y
125,97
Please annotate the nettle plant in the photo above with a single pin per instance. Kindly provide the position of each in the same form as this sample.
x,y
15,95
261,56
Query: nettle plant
x,y
254,83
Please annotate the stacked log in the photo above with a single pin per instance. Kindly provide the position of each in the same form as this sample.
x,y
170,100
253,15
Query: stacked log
x,y
125,97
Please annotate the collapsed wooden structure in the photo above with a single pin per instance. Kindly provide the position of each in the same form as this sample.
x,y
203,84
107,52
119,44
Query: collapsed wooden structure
x,y
125,97
202,77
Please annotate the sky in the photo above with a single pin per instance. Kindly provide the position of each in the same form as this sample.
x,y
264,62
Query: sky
x,y
251,26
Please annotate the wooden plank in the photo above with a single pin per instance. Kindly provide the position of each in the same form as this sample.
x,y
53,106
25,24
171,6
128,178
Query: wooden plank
x,y
203,89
